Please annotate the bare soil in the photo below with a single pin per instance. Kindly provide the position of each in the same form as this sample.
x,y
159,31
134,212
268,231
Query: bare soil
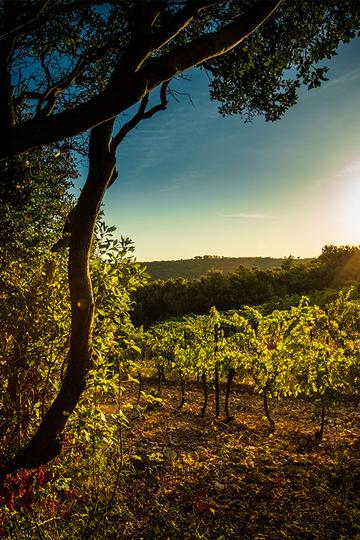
x,y
190,477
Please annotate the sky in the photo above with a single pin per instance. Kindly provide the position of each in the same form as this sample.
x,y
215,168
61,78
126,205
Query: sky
x,y
193,183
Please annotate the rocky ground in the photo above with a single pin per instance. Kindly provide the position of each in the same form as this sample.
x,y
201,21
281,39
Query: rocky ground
x,y
205,478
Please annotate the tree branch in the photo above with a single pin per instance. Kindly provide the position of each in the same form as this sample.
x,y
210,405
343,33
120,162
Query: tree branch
x,y
123,92
160,106
7,113
141,114
131,124
49,97
38,16
210,45
177,24
27,23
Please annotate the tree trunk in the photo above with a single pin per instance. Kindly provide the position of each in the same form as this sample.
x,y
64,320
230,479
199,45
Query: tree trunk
x,y
46,443
205,388
182,388
160,376
217,391
267,412
140,384
230,377
319,434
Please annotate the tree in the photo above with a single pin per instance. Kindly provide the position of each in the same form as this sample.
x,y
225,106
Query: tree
x,y
105,80
34,201
71,65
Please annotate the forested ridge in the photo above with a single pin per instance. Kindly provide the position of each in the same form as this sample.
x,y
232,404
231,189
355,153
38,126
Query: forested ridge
x,y
280,287
196,267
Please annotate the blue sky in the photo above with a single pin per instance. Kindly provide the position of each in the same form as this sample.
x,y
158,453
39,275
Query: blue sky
x,y
194,183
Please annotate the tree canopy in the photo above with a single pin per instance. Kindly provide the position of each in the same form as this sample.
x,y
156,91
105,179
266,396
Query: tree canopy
x,y
68,65
34,202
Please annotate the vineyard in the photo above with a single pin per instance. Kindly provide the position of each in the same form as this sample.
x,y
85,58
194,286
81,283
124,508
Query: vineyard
x,y
305,351
195,428
243,425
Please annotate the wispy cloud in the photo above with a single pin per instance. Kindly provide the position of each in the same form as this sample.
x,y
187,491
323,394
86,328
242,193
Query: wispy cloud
x,y
184,181
244,215
347,78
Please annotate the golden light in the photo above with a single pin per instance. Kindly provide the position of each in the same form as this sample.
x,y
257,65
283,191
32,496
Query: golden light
x,y
350,200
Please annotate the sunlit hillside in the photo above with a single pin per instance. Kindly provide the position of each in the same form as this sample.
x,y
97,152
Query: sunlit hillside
x,y
193,268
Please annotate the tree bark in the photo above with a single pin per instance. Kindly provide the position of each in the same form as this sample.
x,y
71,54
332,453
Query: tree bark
x,y
182,390
230,377
216,381
267,412
47,441
206,393
319,434
217,390
161,378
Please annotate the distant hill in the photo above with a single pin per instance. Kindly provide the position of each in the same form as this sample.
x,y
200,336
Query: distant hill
x,y
194,268
279,288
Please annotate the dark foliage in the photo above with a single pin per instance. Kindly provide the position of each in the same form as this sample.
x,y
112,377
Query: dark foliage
x,y
334,268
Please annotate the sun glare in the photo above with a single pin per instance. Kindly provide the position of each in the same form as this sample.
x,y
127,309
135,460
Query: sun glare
x,y
350,208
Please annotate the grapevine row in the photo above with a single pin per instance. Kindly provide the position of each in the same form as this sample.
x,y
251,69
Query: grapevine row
x,y
304,351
